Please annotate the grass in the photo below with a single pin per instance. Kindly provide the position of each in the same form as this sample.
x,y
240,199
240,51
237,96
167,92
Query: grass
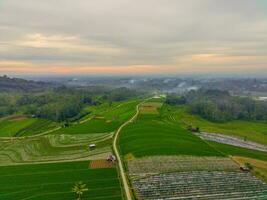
x,y
238,151
37,127
152,134
254,131
107,119
21,126
91,126
54,181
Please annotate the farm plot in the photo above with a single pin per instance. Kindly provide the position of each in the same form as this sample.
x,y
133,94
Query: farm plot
x,y
259,167
162,164
149,135
54,148
235,141
150,107
55,181
238,151
201,185
253,131
95,125
95,164
21,125
104,121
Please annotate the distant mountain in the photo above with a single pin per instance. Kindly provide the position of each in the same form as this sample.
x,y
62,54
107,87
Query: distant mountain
x,y
18,84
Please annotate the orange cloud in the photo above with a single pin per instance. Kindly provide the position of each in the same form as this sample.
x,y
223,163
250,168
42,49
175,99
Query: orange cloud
x,y
27,67
199,64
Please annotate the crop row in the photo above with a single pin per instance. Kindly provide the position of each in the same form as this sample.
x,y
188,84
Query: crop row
x,y
47,181
54,148
201,185
161,164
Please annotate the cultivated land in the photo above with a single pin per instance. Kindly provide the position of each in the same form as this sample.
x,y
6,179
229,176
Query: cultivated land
x,y
254,131
163,164
107,119
54,148
160,155
238,151
154,134
201,185
259,167
37,165
153,147
23,126
54,181
235,141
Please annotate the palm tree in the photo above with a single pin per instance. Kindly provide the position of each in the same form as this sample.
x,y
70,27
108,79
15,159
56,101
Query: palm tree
x,y
79,188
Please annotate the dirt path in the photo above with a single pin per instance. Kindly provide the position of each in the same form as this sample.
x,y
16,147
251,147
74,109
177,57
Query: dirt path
x,y
117,154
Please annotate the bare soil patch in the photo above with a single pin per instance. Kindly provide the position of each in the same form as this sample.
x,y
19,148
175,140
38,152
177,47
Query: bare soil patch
x,y
97,164
17,118
254,162
151,107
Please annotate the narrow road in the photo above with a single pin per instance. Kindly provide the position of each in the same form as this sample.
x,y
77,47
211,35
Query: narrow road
x,y
119,159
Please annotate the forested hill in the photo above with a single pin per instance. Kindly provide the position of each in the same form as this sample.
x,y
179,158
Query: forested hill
x,y
17,84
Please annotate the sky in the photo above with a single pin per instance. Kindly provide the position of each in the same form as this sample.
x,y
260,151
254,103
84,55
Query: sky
x,y
133,36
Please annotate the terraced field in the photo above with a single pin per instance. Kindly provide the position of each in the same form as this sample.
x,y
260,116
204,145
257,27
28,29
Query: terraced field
x,y
54,148
23,126
165,161
153,134
55,181
106,119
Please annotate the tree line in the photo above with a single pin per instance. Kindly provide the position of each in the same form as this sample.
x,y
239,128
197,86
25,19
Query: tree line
x,y
60,104
220,106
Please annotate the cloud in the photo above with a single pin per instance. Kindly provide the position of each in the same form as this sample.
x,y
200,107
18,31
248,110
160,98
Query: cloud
x,y
220,34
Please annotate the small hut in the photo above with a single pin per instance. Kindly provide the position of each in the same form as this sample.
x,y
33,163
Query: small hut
x,y
92,146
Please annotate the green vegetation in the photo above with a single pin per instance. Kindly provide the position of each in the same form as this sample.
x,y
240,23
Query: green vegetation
x,y
91,126
153,134
38,127
56,103
23,126
254,131
106,119
238,151
79,188
55,181
220,106
54,148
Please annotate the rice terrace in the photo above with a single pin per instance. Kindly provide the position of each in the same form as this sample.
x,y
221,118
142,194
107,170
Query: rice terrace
x,y
133,100
160,158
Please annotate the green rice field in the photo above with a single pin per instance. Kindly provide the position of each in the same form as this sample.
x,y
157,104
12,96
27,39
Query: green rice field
x,y
23,126
55,181
107,119
153,134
